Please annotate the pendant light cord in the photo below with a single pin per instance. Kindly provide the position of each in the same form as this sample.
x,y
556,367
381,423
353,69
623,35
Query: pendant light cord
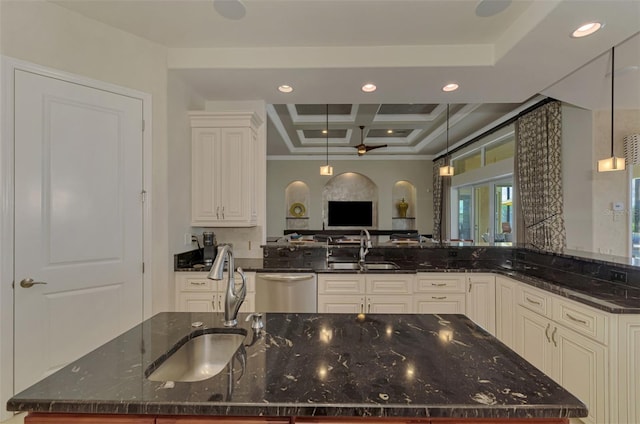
x,y
447,155
327,128
613,62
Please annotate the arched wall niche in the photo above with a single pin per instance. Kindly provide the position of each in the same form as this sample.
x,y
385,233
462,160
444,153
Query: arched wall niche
x,y
297,205
350,186
404,190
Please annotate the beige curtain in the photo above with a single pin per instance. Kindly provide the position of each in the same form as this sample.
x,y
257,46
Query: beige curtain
x,y
441,209
538,179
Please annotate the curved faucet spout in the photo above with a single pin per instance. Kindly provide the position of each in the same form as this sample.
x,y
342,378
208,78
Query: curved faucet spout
x,y
234,296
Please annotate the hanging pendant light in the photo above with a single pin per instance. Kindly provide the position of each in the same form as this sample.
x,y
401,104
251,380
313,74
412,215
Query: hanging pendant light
x,y
327,169
612,163
447,169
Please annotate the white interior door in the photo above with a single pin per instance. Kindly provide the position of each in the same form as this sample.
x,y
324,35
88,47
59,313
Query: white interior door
x,y
78,221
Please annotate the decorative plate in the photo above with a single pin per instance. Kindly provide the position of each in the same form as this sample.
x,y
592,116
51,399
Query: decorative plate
x,y
297,210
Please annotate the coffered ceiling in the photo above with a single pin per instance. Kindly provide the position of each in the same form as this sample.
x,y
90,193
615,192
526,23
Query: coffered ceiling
x,y
406,129
503,53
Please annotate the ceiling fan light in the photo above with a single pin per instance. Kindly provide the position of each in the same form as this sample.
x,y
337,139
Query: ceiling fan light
x,y
587,29
326,170
446,171
362,150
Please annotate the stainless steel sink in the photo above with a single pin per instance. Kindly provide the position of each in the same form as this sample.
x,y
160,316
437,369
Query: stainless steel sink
x,y
371,266
199,357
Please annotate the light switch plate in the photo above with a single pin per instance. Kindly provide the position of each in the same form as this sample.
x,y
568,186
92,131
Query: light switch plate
x,y
618,206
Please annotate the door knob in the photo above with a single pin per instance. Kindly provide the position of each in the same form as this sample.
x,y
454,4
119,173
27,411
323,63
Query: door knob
x,y
28,283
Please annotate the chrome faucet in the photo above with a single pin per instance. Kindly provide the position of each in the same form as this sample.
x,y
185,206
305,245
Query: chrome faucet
x,y
365,245
233,297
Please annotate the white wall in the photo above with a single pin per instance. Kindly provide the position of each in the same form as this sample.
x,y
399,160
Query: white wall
x,y
181,99
611,231
577,177
384,173
49,35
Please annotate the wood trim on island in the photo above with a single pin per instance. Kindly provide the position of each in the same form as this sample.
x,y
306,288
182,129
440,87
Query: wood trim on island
x,y
45,418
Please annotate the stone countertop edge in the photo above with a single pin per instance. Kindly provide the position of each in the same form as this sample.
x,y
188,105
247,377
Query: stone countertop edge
x,y
322,365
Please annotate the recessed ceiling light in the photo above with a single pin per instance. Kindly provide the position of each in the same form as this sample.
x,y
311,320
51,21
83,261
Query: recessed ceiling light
x,y
587,29
369,88
487,8
450,87
324,131
230,9
389,131
285,89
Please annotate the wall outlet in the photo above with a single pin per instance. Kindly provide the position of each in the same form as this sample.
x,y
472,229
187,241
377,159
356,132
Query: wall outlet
x,y
453,253
187,239
618,276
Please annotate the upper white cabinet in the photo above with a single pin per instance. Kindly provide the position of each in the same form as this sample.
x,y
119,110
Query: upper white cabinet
x,y
223,169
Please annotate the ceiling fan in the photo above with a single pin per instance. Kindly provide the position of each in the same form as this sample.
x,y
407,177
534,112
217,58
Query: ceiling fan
x,y
363,148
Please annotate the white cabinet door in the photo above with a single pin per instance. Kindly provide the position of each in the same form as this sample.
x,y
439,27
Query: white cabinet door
x,y
506,301
223,174
197,302
481,301
533,339
439,303
629,360
389,304
341,304
580,367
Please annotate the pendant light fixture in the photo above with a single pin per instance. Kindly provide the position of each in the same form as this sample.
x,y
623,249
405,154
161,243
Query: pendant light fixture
x,y
447,170
612,163
327,169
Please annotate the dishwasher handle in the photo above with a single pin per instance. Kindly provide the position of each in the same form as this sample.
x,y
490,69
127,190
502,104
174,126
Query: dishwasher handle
x,y
286,277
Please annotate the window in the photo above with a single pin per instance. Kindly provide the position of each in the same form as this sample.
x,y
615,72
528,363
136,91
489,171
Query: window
x,y
493,148
484,212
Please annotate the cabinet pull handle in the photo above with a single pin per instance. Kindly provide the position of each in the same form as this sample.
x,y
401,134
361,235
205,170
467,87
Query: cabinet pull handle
x,y
439,284
572,318
362,308
553,336
470,287
533,301
219,303
223,212
369,308
197,283
546,332
218,212
438,297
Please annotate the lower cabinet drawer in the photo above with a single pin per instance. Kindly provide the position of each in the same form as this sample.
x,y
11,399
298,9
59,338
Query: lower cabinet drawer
x,y
582,319
439,303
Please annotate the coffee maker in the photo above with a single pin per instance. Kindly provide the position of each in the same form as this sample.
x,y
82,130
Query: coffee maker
x,y
210,247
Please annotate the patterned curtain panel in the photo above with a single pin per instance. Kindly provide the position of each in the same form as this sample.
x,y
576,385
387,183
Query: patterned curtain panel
x,y
438,201
539,178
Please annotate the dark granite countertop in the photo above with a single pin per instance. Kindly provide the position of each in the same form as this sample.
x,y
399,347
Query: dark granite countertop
x,y
313,365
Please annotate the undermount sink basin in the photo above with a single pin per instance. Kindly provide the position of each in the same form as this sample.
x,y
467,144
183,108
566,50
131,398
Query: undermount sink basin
x,y
196,358
372,266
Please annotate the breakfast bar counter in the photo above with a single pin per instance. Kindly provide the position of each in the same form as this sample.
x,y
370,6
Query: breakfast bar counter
x,y
408,367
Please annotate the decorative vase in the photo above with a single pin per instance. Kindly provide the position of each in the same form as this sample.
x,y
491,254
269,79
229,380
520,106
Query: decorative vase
x,y
402,208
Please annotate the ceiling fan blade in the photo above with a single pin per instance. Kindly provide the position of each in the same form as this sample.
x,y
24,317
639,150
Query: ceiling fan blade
x,y
375,147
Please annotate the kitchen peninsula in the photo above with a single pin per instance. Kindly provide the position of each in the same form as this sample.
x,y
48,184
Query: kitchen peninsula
x,y
308,368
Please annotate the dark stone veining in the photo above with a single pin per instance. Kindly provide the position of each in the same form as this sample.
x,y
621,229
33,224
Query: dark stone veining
x,y
314,365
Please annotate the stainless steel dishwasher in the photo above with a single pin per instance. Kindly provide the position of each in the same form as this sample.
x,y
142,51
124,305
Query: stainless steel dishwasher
x,y
286,292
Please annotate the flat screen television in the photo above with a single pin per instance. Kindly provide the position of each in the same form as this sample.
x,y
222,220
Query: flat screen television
x,y
350,213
